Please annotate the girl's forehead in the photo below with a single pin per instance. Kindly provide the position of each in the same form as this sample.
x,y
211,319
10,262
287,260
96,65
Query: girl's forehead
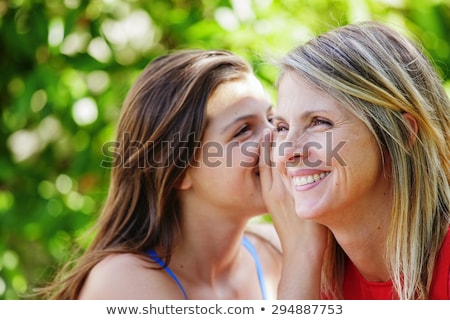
x,y
230,93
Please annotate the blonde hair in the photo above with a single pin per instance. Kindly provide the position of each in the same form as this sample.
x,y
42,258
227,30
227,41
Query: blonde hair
x,y
380,75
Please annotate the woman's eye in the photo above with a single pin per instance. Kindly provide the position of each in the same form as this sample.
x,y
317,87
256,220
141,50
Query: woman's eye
x,y
281,127
320,121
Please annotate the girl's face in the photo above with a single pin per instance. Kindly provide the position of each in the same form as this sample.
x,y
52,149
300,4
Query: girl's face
x,y
226,175
329,159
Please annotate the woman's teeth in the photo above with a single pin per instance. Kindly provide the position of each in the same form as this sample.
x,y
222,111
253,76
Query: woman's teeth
x,y
301,181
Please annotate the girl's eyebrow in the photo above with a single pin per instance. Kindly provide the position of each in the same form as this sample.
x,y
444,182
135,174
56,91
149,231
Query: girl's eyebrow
x,y
243,117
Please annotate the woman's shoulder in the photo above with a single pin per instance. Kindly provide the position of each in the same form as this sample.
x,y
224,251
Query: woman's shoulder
x,y
128,276
440,286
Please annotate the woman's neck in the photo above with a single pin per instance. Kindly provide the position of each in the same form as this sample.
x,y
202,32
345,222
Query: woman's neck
x,y
365,242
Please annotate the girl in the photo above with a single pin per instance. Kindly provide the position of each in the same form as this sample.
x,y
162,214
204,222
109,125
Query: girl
x,y
184,185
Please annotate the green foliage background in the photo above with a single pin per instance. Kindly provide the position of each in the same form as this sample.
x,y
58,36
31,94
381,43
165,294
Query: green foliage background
x,y
66,66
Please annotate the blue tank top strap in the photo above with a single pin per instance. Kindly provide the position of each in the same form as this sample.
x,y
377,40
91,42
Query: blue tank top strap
x,y
158,260
247,244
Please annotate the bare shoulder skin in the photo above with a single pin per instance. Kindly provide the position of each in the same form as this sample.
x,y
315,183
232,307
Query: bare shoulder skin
x,y
265,240
128,276
267,232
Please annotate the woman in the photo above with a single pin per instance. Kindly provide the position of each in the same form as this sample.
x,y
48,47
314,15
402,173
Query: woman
x,y
184,185
363,126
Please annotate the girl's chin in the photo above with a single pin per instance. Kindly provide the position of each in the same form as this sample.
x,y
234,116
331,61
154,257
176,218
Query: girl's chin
x,y
260,210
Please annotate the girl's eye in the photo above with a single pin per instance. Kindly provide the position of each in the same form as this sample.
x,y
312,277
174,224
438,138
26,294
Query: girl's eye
x,y
244,129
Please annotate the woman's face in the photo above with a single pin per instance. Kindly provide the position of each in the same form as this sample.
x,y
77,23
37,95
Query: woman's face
x,y
329,159
226,174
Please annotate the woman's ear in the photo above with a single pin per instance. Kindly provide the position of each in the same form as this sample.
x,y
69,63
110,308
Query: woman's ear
x,y
413,128
185,182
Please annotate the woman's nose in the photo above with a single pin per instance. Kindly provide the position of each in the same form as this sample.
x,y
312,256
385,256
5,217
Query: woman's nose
x,y
289,150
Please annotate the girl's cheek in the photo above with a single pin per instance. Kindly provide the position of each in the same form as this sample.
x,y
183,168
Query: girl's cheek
x,y
248,153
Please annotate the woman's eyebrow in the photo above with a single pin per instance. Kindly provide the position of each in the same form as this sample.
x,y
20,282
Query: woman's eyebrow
x,y
303,115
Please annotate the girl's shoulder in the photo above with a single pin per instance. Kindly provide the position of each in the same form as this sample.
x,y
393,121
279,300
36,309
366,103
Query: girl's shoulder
x,y
267,246
264,234
130,276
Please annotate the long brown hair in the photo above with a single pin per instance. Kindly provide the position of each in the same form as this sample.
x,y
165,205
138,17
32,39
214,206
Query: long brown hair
x,y
162,121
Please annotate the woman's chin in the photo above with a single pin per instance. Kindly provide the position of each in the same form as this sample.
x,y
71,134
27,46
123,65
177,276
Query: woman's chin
x,y
308,212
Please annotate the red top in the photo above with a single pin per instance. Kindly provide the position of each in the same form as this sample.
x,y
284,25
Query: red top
x,y
357,288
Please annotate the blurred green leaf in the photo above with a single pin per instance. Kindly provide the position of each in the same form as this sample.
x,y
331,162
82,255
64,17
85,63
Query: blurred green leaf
x,y
57,53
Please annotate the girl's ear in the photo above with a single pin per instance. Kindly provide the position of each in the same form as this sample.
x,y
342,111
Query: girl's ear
x,y
185,181
412,127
